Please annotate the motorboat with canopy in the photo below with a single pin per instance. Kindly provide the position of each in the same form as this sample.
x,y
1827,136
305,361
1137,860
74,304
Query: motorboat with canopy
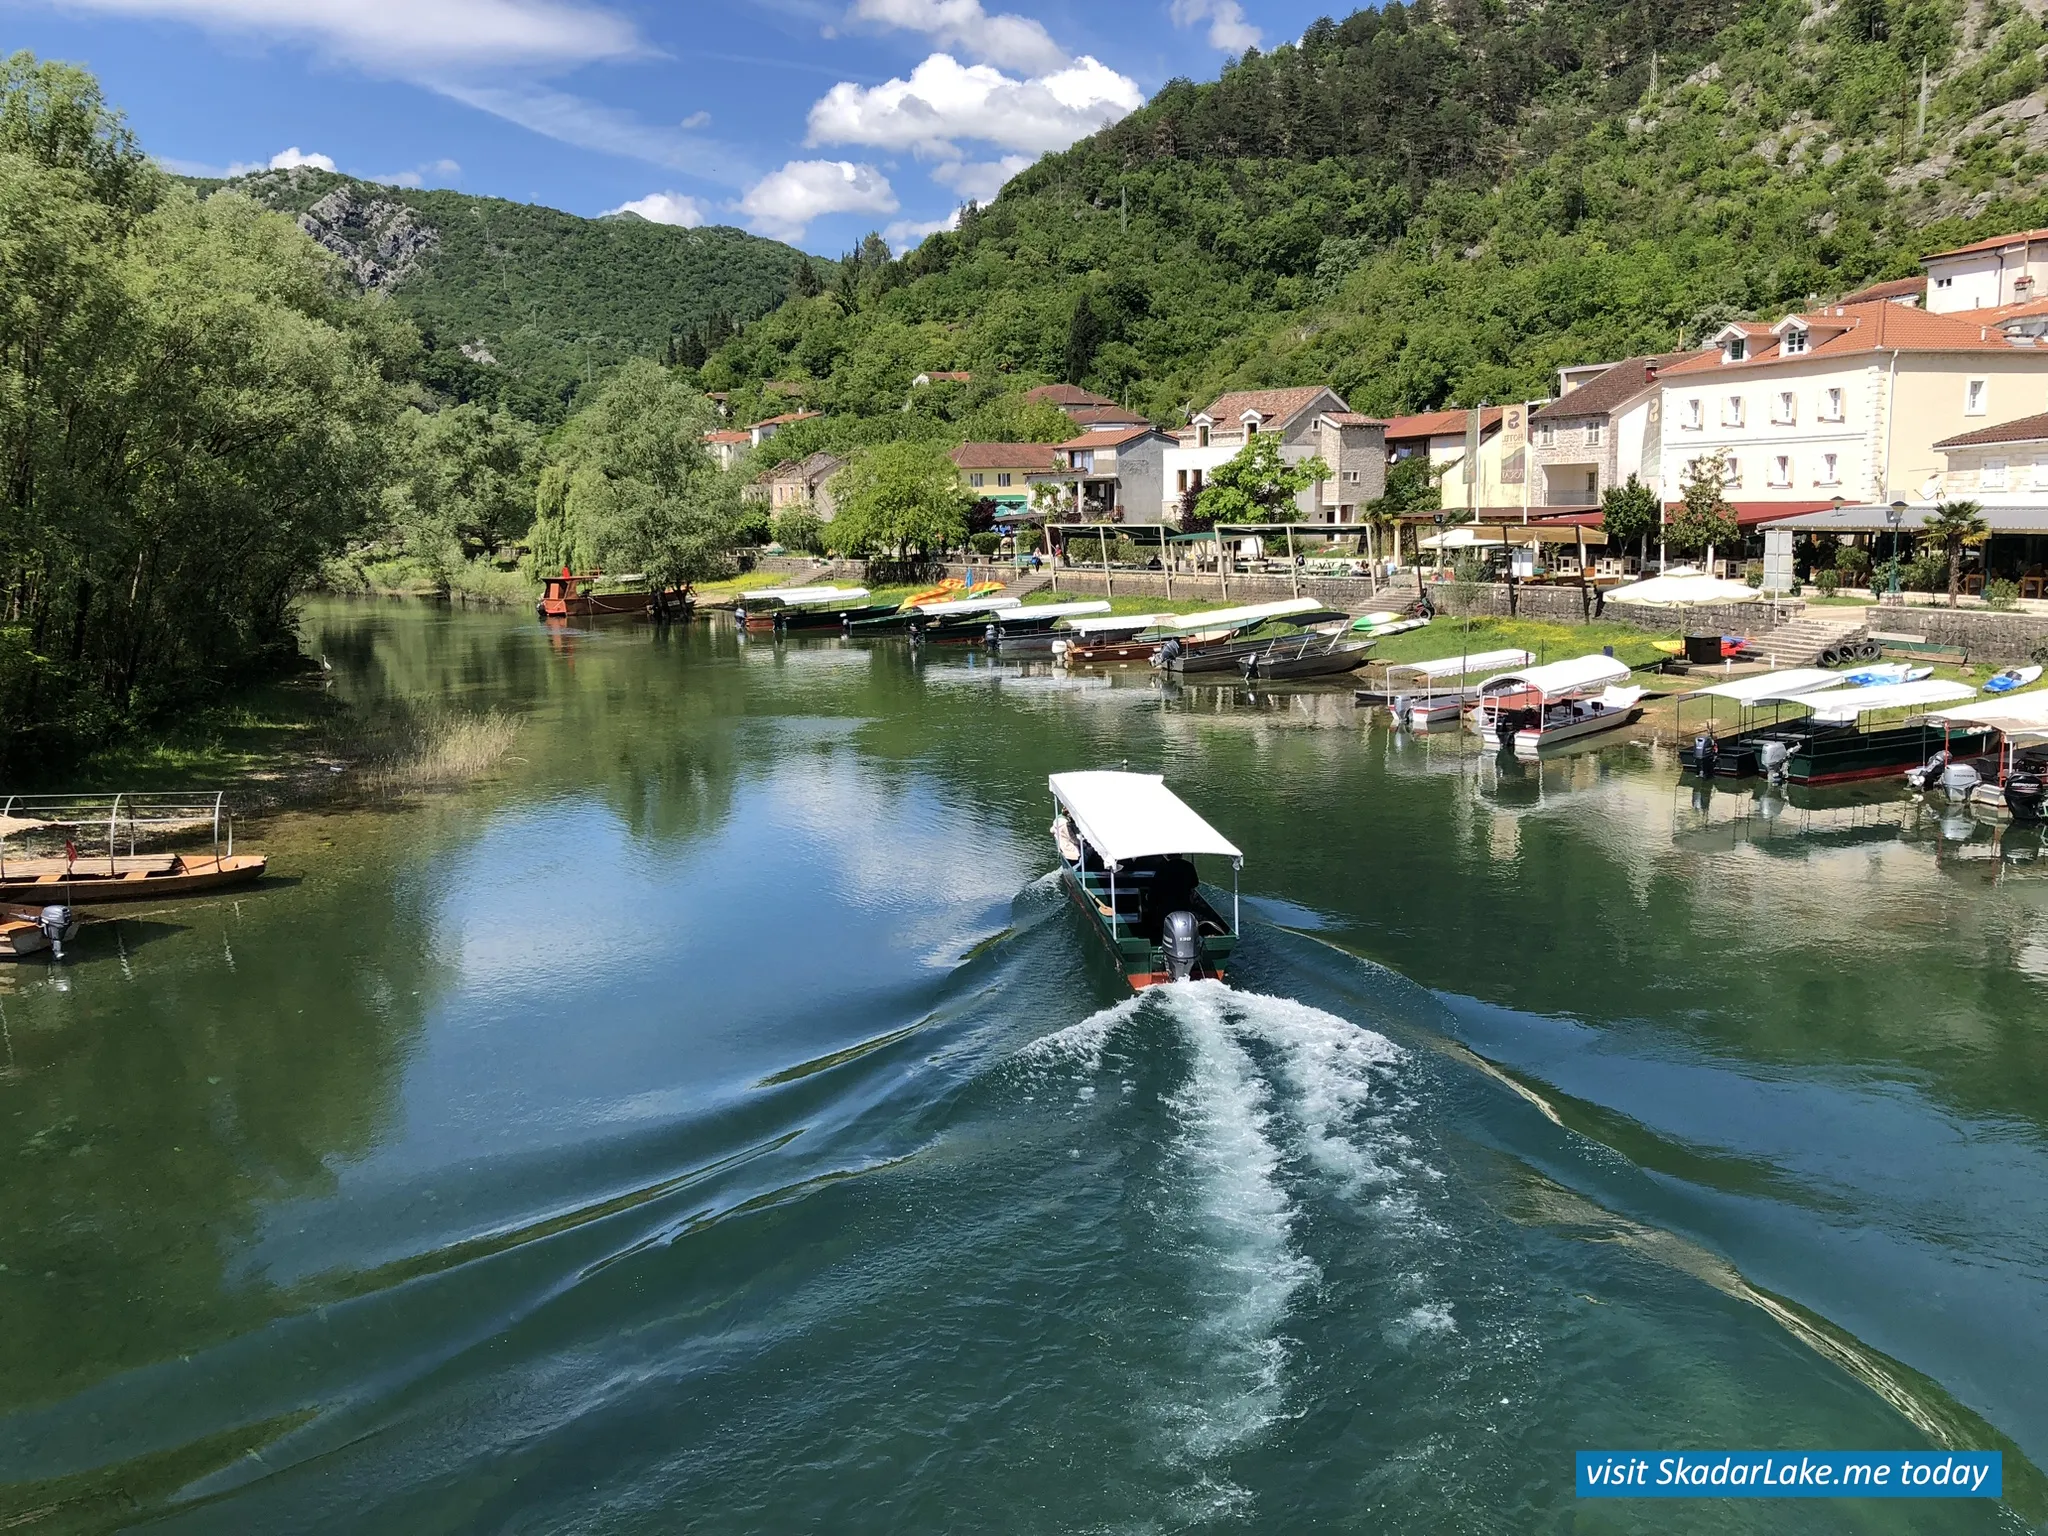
x,y
75,849
1300,642
930,618
1190,632
1423,692
1538,707
1736,757
1126,846
1035,626
766,608
2011,773
1841,738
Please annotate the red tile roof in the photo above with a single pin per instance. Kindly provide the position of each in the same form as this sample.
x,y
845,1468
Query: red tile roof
x,y
956,377
1032,458
1271,404
1996,242
1618,385
1064,395
1099,415
727,437
2027,429
1897,288
1109,439
785,419
1856,328
1442,423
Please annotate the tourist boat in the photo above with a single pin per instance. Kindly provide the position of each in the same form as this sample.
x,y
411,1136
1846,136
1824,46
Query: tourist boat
x,y
762,609
1310,655
1837,741
1036,626
1190,632
1088,641
1126,845
1422,693
1229,653
26,931
79,850
1540,707
568,596
922,621
1709,755
2009,774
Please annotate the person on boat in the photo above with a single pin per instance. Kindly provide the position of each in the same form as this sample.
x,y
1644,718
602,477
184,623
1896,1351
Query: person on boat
x,y
1166,885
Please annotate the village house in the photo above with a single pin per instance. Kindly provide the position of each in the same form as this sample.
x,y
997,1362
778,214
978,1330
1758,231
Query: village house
x,y
1310,422
957,377
1005,472
1846,402
1441,437
761,431
1086,408
1988,274
1603,427
1116,476
794,486
727,447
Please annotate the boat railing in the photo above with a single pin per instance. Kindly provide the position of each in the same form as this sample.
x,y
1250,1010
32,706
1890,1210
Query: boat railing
x,y
128,815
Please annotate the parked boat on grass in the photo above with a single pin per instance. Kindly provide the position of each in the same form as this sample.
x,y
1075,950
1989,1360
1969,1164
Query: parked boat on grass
x,y
69,849
2012,679
1538,707
1126,845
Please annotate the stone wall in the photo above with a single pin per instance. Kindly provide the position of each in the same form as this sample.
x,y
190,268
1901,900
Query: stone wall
x,y
1978,632
1564,605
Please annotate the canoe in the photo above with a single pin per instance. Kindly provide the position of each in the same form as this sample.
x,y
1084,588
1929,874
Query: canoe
x,y
41,881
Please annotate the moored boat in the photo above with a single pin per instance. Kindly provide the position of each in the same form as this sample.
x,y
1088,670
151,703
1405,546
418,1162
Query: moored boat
x,y
571,596
768,608
26,931
1126,845
1422,693
1710,755
920,621
1539,707
1839,740
1307,656
34,827
1036,626
1191,632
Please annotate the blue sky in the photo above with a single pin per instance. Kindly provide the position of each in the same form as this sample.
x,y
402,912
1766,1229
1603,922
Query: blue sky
x,y
810,121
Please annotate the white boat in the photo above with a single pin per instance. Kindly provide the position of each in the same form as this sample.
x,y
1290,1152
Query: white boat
x,y
1426,692
1539,707
1885,674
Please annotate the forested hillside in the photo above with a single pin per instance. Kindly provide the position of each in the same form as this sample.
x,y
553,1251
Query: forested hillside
x,y
525,306
1441,202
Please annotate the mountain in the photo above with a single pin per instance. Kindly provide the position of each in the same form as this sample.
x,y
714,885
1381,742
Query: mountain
x,y
525,305
1441,202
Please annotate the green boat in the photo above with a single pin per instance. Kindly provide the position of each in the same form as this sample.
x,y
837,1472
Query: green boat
x,y
1126,844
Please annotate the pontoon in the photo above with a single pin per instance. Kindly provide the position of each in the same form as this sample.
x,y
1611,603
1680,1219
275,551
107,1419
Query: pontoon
x,y
1033,627
1833,744
83,849
1736,756
1126,844
1425,692
1539,707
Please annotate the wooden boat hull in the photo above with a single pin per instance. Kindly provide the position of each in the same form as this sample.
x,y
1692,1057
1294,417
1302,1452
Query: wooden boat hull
x,y
21,932
31,881
600,605
1126,653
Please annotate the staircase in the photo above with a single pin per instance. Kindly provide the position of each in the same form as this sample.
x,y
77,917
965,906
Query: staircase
x,y
1799,643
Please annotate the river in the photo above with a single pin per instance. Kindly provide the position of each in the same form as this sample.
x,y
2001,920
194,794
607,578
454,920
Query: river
x,y
718,1121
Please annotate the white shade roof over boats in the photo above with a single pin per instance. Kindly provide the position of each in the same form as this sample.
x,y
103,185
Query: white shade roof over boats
x,y
1127,623
1217,618
1773,687
1684,588
1043,611
1561,677
820,597
1127,816
1463,666
2023,715
801,594
1846,704
971,605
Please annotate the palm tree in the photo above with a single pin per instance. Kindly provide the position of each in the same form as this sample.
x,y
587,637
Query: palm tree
x,y
1954,525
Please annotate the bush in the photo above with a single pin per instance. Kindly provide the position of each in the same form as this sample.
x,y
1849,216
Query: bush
x,y
1853,564
800,532
2002,595
1829,582
1926,572
985,544
751,526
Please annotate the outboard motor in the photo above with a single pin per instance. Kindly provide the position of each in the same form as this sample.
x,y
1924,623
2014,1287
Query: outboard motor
x,y
57,924
1774,755
1929,773
1249,665
1402,704
1705,752
2024,793
1180,939
988,634
846,623
1959,779
739,615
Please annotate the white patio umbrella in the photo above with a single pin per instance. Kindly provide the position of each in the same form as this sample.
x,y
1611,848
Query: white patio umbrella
x,y
1685,590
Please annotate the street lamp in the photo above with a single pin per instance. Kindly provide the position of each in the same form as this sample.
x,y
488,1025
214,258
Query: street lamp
x,y
1895,514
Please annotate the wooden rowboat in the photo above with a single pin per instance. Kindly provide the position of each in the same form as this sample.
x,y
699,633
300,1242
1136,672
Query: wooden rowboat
x,y
92,880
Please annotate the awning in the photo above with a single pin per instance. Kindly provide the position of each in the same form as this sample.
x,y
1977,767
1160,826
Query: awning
x,y
1503,535
2022,715
1129,623
1127,816
1041,611
1846,704
1772,687
1561,677
1683,589
815,597
1232,618
1463,666
785,594
970,605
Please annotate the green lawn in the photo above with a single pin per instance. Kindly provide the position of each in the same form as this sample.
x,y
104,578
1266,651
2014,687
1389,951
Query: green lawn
x,y
1447,636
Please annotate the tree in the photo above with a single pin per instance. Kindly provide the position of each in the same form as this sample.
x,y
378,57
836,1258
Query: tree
x,y
1954,526
1412,486
1257,486
898,499
801,531
804,282
1706,519
1629,512
470,475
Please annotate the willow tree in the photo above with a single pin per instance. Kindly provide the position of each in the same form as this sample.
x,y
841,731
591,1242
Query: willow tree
x,y
898,499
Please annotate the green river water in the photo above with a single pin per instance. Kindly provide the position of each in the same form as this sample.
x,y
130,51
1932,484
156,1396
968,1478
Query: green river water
x,y
718,1121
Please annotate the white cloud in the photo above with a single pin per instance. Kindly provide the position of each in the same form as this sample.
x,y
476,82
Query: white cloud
x,y
588,125
283,160
418,35
979,180
944,100
697,120
906,233
783,203
1014,42
420,175
665,208
1228,29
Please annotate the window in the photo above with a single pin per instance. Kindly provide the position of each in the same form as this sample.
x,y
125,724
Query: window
x,y
1974,393
1944,282
1201,437
1830,470
1781,470
1180,481
1736,350
1786,410
1596,433
1695,415
1731,471
1351,477
1831,405
977,481
1991,475
1003,479
1793,342
1083,459
1731,411
1546,435
1251,430
1198,480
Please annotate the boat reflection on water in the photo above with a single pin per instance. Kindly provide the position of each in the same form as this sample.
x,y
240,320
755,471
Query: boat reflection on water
x,y
1711,817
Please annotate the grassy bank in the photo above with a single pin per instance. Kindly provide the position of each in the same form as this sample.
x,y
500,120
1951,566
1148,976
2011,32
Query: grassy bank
x,y
1544,640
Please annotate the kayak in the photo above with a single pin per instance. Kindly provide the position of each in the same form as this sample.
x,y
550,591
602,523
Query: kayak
x,y
1885,673
1379,624
2011,679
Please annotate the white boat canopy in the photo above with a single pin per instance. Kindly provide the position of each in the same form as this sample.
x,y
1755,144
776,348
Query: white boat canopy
x,y
786,594
1127,816
1463,666
1128,623
1772,687
1056,610
1846,704
970,605
2016,715
1682,588
1233,618
819,597
1561,677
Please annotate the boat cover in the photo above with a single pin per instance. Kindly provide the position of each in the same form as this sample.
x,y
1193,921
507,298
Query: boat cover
x,y
783,594
1232,618
2024,714
1057,610
1463,666
1561,677
818,597
1129,623
1129,816
1773,687
970,605
1848,703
